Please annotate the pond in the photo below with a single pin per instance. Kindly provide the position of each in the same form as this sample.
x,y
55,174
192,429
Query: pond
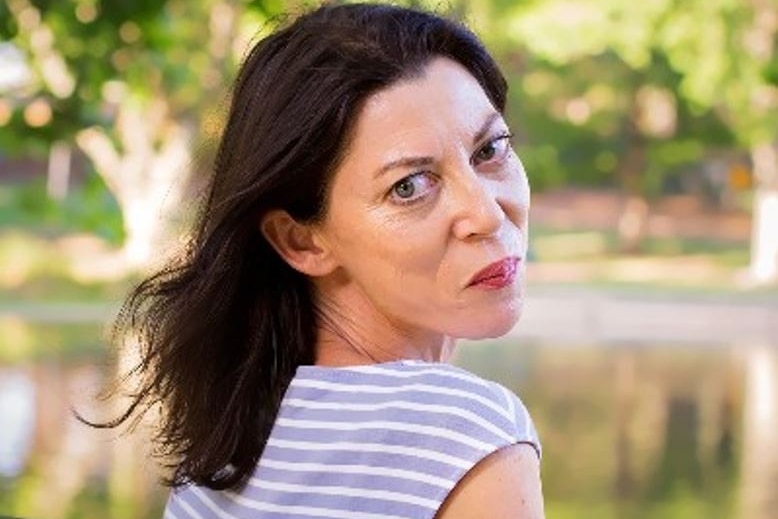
x,y
629,431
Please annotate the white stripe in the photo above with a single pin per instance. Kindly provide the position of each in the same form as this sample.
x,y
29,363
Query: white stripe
x,y
527,423
189,510
364,388
529,434
371,447
211,505
400,404
511,405
447,371
306,510
384,495
169,514
365,470
383,425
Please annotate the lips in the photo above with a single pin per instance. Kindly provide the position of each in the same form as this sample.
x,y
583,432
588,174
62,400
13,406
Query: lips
x,y
497,275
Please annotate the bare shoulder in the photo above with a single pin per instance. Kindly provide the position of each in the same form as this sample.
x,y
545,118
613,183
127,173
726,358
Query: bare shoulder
x,y
504,485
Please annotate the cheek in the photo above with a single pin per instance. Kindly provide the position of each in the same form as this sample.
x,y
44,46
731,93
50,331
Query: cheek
x,y
400,252
525,190
517,198
388,246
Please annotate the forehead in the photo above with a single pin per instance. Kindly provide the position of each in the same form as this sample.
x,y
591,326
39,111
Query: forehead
x,y
443,103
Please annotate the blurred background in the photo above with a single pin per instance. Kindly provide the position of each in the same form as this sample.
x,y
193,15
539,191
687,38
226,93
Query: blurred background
x,y
648,352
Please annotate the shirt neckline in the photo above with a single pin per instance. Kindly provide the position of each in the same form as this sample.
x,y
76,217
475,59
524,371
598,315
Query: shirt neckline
x,y
313,368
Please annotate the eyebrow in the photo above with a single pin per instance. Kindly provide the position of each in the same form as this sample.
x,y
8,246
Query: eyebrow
x,y
417,162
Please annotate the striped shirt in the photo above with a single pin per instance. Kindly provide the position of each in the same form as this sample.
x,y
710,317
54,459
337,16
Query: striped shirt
x,y
383,441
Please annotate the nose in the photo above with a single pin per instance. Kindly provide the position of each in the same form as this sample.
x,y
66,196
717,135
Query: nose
x,y
478,210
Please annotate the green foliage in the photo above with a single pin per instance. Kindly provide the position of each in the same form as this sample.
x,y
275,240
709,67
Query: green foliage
x,y
88,208
578,71
583,68
721,50
22,341
116,52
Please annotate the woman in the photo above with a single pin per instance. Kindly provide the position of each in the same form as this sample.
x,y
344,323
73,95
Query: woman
x,y
366,211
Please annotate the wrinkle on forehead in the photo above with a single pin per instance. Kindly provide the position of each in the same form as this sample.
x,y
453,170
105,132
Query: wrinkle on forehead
x,y
423,124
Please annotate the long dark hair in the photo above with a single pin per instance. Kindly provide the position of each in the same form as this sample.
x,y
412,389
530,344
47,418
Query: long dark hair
x,y
222,329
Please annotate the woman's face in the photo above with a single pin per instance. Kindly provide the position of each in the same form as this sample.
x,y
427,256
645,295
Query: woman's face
x,y
428,211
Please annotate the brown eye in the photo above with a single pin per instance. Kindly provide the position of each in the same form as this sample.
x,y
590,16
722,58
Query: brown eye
x,y
487,152
495,149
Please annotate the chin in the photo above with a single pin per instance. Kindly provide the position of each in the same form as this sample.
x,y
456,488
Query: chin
x,y
493,324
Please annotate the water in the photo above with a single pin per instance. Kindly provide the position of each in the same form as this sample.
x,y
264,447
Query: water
x,y
628,431
647,432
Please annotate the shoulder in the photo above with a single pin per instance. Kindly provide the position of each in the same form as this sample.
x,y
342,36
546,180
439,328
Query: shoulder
x,y
417,435
508,474
490,400
427,393
507,479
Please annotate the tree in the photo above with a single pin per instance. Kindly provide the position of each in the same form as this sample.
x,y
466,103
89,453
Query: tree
x,y
724,53
136,86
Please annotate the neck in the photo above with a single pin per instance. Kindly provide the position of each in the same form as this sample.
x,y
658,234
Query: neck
x,y
334,349
352,331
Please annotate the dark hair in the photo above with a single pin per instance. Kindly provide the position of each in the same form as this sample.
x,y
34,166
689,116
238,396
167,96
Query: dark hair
x,y
222,330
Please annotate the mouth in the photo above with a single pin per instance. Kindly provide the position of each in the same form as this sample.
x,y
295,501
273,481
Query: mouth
x,y
497,275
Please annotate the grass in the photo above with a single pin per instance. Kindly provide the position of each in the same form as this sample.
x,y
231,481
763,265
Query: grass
x,y
554,245
22,341
39,269
591,259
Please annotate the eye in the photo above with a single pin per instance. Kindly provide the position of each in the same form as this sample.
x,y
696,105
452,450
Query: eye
x,y
413,187
495,149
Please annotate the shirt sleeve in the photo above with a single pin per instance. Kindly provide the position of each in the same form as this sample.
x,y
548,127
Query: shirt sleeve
x,y
524,430
497,418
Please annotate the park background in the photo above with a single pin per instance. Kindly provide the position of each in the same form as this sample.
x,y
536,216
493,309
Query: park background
x,y
648,353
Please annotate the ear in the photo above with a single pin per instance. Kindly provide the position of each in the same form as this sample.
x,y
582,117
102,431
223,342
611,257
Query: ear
x,y
297,243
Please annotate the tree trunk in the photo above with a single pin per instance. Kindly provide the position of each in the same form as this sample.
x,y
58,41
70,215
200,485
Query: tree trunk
x,y
625,406
764,229
148,172
147,178
58,176
633,222
759,471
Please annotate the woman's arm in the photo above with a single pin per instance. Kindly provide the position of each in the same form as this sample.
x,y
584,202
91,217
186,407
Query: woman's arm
x,y
504,485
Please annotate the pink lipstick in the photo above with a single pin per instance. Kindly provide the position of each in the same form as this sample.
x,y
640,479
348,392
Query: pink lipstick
x,y
497,275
